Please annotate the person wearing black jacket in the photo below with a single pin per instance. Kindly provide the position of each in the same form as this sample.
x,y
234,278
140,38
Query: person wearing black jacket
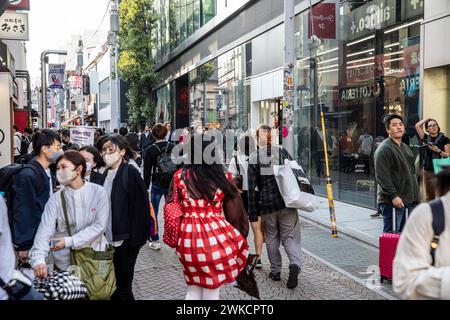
x,y
281,224
31,190
94,161
146,141
130,212
151,175
436,146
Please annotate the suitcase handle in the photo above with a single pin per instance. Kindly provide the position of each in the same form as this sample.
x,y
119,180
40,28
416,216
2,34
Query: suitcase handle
x,y
394,218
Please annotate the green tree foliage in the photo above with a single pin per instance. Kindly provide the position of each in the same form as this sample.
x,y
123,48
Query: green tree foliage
x,y
137,20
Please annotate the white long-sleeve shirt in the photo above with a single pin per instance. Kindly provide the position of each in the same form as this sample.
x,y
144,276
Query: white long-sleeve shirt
x,y
243,163
7,256
89,215
413,275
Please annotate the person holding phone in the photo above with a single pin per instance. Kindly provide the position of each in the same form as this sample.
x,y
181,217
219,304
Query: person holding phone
x,y
438,147
88,215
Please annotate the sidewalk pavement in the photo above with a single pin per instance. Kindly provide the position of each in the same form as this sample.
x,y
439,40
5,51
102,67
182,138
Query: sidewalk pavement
x,y
351,220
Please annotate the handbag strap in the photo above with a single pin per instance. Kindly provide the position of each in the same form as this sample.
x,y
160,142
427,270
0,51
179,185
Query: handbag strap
x,y
66,219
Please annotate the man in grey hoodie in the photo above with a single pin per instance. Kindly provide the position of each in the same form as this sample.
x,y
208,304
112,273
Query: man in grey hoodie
x,y
395,174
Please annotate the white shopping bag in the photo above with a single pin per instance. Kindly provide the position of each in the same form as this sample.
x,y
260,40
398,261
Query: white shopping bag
x,y
290,189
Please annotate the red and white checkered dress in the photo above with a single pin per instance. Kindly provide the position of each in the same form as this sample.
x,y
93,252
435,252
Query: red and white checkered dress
x,y
211,250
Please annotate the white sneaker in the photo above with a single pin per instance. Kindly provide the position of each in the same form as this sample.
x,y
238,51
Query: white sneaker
x,y
155,245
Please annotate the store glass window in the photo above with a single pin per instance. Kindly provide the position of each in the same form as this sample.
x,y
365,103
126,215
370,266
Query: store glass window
x,y
365,66
104,96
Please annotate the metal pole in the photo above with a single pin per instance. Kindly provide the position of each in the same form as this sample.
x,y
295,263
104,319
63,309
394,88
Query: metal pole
x,y
43,92
287,105
325,148
44,54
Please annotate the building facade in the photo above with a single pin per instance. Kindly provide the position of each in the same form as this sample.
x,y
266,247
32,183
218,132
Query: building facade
x,y
228,72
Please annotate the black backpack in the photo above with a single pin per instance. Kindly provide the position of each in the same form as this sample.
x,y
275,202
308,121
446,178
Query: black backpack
x,y
24,144
7,176
437,210
165,167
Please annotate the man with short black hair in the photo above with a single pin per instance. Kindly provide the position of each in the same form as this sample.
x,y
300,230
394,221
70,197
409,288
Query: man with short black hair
x,y
31,190
123,131
395,174
146,140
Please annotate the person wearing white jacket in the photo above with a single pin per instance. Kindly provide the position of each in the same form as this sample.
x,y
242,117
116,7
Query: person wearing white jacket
x,y
7,256
87,210
414,275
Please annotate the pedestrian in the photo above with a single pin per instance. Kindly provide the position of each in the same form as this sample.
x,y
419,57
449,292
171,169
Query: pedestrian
x,y
97,135
94,162
437,146
146,141
212,248
7,256
17,137
395,175
158,171
239,169
129,228
365,143
169,131
87,213
31,189
281,224
65,138
415,276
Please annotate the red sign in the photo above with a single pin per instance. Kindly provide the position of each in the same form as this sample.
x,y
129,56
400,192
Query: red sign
x,y
18,5
324,21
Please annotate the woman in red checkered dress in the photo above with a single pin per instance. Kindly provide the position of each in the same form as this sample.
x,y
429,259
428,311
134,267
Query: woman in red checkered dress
x,y
211,246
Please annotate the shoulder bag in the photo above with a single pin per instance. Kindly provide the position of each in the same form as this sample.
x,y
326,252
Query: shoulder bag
x,y
95,268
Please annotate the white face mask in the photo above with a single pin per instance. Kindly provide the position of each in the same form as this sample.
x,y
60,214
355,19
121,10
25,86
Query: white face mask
x,y
112,159
65,177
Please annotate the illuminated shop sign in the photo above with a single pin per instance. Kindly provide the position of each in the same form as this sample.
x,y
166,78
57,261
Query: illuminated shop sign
x,y
373,16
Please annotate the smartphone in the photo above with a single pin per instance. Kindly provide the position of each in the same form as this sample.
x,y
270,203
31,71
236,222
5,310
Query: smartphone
x,y
52,243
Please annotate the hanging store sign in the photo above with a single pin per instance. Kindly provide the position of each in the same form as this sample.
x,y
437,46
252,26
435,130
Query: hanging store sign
x,y
373,16
14,26
323,22
18,5
56,76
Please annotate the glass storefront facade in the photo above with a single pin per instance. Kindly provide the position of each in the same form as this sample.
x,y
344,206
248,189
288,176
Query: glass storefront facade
x,y
178,20
367,65
366,69
219,90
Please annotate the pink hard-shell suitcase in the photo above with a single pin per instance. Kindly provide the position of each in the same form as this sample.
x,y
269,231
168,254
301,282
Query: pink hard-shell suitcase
x,y
387,248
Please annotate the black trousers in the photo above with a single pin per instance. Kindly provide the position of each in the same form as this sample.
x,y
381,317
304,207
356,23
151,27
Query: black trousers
x,y
125,258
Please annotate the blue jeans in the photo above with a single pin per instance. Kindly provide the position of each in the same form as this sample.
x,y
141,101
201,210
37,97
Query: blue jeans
x,y
155,197
400,217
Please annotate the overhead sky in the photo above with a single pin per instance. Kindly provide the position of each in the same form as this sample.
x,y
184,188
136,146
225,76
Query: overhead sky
x,y
52,22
